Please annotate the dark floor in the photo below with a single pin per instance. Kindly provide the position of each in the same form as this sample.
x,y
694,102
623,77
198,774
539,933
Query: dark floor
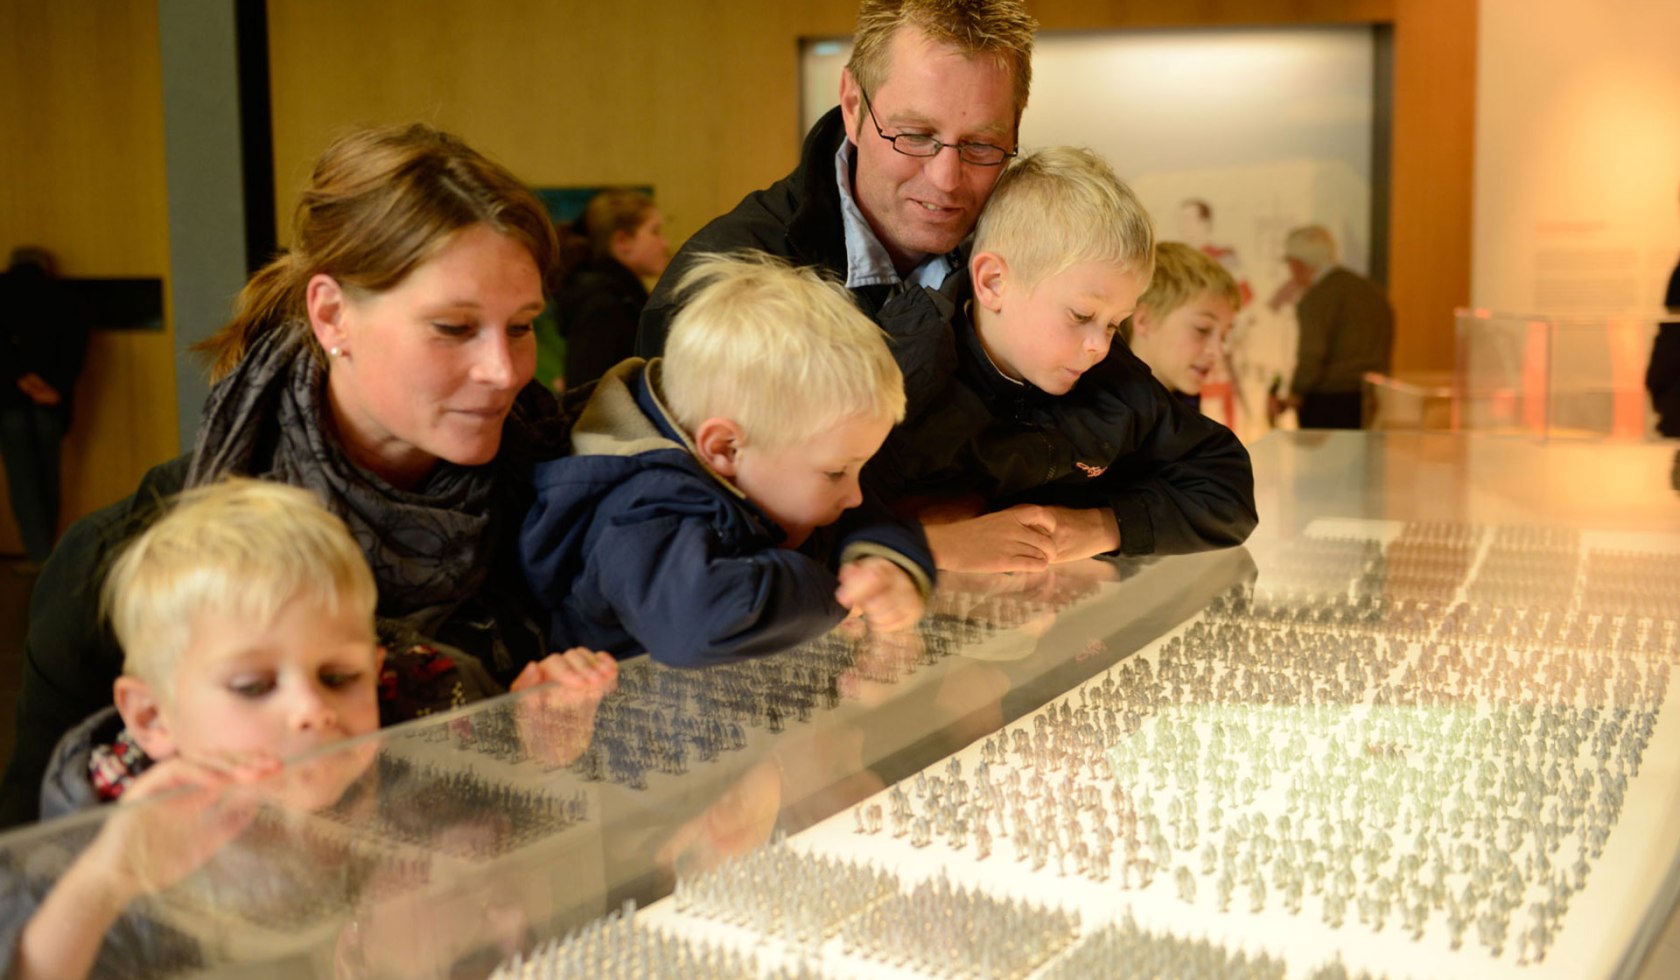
x,y
16,579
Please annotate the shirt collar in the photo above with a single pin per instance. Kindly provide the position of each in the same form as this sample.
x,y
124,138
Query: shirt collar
x,y
867,261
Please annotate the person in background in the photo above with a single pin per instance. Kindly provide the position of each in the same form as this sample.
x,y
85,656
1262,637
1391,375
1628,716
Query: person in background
x,y
1662,375
1183,318
43,340
607,256
1346,329
384,361
1195,223
892,181
711,510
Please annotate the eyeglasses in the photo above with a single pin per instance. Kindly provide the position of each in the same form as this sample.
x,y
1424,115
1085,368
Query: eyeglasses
x,y
925,145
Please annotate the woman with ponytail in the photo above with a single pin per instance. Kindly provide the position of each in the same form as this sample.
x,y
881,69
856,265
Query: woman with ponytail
x,y
383,362
607,257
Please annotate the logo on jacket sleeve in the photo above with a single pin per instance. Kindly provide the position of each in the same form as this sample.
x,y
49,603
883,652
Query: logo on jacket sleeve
x,y
1091,471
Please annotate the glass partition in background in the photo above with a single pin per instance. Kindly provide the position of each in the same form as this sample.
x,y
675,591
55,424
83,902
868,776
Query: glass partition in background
x,y
1552,377
1420,726
1415,400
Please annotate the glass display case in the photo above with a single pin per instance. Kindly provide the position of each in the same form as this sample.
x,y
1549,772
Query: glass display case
x,y
1418,726
1552,376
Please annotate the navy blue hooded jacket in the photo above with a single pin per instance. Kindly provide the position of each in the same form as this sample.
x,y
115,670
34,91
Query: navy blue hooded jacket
x,y
635,545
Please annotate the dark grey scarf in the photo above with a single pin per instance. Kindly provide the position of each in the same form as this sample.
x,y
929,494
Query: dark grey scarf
x,y
429,548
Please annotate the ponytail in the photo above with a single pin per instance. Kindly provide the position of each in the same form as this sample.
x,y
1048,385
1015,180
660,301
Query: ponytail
x,y
271,300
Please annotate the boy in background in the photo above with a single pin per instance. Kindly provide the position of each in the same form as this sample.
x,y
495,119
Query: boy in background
x,y
1033,438
711,510
1183,319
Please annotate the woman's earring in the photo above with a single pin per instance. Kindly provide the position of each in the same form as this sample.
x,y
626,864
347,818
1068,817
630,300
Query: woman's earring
x,y
333,352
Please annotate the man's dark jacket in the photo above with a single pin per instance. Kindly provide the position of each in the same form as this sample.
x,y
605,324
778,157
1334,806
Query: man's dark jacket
x,y
796,218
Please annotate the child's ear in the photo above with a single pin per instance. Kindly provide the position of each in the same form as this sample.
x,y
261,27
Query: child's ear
x,y
719,442
326,302
142,713
1143,324
990,274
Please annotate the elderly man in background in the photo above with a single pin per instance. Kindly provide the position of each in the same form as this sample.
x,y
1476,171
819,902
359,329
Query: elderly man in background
x,y
1347,329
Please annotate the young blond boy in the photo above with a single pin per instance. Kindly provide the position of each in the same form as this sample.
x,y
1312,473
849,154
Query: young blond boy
x,y
246,617
1033,437
711,508
1183,318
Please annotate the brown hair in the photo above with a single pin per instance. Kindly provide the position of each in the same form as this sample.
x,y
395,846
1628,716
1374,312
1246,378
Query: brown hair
x,y
1001,29
381,202
610,211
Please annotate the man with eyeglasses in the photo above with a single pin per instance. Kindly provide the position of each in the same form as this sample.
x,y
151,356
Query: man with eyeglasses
x,y
892,181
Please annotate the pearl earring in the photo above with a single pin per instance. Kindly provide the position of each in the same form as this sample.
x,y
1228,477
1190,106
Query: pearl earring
x,y
333,352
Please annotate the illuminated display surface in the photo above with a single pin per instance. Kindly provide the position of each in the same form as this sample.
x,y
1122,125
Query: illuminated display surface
x,y
1415,728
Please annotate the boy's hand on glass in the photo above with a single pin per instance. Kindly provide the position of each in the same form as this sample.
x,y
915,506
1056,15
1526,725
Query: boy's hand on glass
x,y
883,593
144,846
150,846
557,723
1083,533
1019,539
578,669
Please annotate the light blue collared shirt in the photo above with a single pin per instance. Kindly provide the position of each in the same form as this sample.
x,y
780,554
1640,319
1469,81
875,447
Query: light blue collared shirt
x,y
867,261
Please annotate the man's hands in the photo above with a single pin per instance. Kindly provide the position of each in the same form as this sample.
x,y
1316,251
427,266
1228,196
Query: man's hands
x,y
1023,538
880,591
1083,533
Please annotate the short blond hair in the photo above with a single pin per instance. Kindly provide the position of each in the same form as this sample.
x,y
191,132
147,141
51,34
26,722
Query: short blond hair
x,y
1000,29
782,351
1182,273
1061,206
238,547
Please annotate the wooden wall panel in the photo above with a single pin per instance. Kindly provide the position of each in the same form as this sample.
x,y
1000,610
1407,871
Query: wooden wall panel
x,y
81,137
1433,177
700,100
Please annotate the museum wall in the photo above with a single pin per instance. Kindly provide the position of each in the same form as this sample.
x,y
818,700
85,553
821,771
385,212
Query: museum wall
x,y
646,101
1578,125
81,173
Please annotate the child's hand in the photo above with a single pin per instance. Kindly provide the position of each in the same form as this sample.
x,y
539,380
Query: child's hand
x,y
140,849
1020,539
882,592
149,847
1083,533
556,724
881,661
577,669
